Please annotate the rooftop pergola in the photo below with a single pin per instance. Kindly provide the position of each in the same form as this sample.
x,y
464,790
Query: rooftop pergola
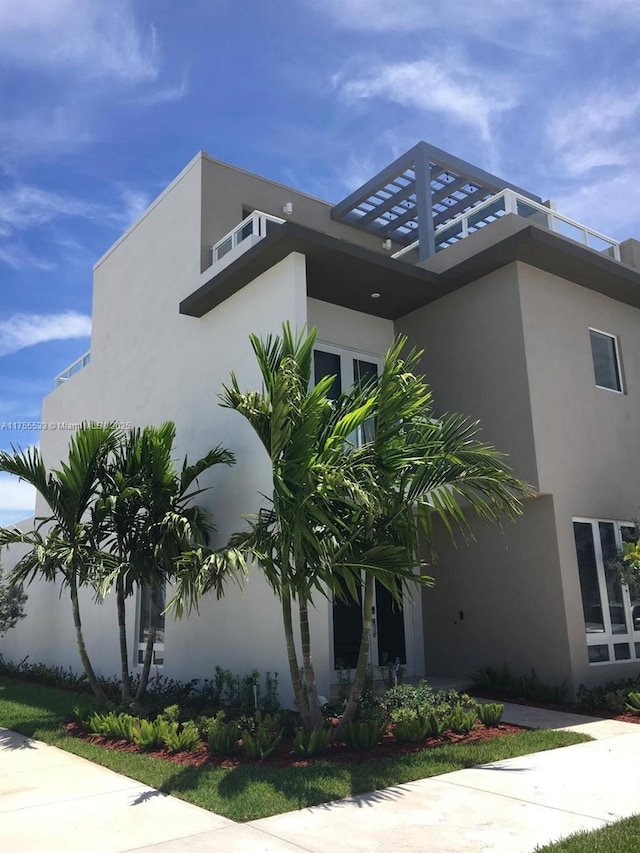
x,y
416,194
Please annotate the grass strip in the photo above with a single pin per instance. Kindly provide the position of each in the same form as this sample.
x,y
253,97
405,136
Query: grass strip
x,y
250,792
620,837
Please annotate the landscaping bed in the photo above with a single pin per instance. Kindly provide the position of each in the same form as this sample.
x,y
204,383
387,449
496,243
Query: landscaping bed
x,y
284,755
241,789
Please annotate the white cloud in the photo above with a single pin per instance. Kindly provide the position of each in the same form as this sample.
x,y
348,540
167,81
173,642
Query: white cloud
x,y
100,38
446,87
25,206
165,94
537,23
16,496
608,204
17,256
24,330
134,204
598,131
44,133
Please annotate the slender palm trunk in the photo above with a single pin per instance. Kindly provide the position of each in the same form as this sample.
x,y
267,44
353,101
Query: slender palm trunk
x,y
125,675
151,639
315,713
294,670
363,656
82,649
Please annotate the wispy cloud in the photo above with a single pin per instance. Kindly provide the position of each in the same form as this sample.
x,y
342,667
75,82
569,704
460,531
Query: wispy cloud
x,y
164,94
447,87
16,497
487,20
47,132
24,206
605,121
134,203
24,330
101,39
18,257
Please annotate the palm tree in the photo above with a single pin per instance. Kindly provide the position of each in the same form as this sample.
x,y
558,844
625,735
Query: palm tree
x,y
66,544
423,468
304,434
151,526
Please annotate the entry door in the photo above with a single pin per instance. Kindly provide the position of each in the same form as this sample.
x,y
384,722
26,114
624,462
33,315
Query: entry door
x,y
388,640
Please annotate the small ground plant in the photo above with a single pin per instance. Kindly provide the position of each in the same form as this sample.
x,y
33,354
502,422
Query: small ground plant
x,y
312,743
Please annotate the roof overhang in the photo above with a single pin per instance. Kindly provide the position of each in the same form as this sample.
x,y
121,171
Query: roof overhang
x,y
337,272
344,274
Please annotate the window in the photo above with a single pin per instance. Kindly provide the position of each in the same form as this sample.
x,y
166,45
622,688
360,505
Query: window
x,y
606,362
144,605
611,618
349,371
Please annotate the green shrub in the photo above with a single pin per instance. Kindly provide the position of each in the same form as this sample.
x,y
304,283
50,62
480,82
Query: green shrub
x,y
436,726
222,737
501,680
491,714
150,734
181,739
633,703
312,743
265,736
363,735
461,722
611,696
409,725
112,725
260,745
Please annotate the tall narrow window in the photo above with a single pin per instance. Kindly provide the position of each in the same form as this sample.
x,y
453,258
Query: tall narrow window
x,y
611,614
606,363
144,600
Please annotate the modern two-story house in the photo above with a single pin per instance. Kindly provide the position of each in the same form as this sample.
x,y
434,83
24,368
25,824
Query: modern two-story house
x,y
529,321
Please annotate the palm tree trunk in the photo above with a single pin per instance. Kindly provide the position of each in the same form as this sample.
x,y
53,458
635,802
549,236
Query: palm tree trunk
x,y
363,656
315,714
82,649
151,639
125,675
294,670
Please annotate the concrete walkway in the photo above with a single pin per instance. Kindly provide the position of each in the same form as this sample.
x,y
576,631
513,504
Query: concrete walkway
x,y
51,801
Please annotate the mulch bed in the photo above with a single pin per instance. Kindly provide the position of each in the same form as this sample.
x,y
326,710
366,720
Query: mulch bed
x,y
284,755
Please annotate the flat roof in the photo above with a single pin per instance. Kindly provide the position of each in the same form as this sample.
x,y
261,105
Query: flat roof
x,y
344,274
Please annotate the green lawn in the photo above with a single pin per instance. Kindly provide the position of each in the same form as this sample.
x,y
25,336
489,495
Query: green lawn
x,y
621,837
248,793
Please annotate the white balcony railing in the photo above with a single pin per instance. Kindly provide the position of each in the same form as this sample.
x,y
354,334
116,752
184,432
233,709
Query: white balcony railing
x,y
256,226
75,367
508,201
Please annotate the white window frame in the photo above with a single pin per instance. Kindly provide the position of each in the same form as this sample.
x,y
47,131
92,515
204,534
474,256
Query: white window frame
x,y
607,637
616,349
347,356
158,647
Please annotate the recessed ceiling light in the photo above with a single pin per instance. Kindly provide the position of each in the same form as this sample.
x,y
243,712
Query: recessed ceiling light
x,y
375,295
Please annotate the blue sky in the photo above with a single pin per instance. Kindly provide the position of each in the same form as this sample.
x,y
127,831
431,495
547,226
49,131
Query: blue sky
x,y
102,102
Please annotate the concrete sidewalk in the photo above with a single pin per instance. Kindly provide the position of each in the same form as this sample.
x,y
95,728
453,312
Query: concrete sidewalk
x,y
51,800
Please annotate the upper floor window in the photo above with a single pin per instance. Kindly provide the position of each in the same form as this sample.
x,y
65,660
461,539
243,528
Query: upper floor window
x,y
606,360
349,369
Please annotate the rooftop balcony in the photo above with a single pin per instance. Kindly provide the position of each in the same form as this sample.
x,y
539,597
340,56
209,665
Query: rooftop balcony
x,y
509,201
251,230
74,367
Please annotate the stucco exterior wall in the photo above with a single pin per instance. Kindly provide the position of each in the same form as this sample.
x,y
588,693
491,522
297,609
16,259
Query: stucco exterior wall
x,y
150,364
508,590
586,437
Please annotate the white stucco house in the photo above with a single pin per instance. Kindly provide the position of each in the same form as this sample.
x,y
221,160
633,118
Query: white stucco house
x,y
530,322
